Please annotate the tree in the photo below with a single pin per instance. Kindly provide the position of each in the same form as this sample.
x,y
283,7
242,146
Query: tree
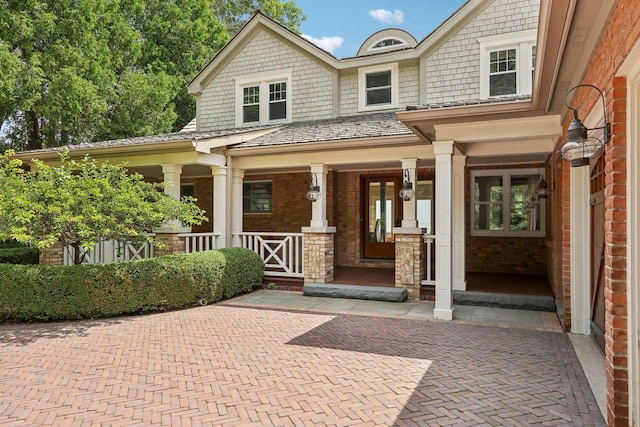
x,y
71,68
79,203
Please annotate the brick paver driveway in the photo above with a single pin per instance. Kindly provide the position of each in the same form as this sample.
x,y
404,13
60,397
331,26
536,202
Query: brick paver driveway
x,y
222,365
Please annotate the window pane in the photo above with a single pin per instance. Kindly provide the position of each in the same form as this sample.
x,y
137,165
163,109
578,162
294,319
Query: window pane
x,y
251,113
256,197
251,95
380,79
278,91
277,110
525,212
379,96
502,84
488,208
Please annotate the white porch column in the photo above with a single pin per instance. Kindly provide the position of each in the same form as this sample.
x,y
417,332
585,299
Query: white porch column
x,y
459,279
409,206
236,207
172,174
580,250
443,151
220,204
319,207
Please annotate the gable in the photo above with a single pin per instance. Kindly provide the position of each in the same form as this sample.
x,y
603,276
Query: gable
x,y
266,53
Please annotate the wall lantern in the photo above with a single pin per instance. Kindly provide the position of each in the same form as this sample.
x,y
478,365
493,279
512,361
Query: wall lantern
x,y
542,191
407,188
580,148
314,190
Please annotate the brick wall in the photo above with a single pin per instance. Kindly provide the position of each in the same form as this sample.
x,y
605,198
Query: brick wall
x,y
620,35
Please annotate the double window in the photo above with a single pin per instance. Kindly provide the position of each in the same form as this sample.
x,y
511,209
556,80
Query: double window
x,y
506,64
505,202
257,197
263,98
378,87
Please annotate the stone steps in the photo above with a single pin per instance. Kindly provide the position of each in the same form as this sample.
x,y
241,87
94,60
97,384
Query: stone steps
x,y
374,293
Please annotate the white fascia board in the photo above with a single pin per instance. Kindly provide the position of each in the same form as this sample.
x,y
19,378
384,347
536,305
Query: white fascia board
x,y
501,130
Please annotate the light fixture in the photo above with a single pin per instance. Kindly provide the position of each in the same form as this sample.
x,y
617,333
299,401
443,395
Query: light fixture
x,y
407,188
581,148
542,191
314,190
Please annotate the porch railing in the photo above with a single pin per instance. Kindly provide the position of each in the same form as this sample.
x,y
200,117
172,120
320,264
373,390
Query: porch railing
x,y
281,252
430,241
109,251
198,242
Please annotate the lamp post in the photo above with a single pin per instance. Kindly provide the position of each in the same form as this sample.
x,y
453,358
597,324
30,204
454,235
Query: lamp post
x,y
407,191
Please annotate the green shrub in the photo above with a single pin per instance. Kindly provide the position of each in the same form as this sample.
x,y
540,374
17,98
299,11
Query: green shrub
x,y
243,273
40,292
19,255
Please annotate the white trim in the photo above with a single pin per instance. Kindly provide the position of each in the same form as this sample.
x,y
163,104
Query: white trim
x,y
506,214
443,309
522,42
362,86
580,218
262,80
631,68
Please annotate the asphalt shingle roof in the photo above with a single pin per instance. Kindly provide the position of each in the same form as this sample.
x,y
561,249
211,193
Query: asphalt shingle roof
x,y
341,128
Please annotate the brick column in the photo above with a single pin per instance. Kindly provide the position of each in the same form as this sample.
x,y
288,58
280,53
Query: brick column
x,y
410,261
171,243
319,255
53,255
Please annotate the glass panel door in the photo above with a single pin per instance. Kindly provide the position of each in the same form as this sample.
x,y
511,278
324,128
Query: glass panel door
x,y
381,214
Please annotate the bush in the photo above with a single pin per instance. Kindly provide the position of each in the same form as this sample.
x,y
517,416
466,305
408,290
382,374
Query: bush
x,y
40,292
19,255
12,252
244,271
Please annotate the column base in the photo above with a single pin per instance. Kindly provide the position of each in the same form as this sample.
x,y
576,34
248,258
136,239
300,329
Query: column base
x,y
443,314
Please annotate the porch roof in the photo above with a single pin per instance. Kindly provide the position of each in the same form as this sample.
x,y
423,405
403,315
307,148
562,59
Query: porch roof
x,y
364,126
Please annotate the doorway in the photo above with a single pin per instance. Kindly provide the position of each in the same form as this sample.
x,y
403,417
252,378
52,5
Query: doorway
x,y
381,211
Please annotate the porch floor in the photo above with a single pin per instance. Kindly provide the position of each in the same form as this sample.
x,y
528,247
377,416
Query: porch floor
x,y
503,283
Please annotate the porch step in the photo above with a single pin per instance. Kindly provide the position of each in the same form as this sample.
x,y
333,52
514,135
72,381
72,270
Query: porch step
x,y
491,299
375,293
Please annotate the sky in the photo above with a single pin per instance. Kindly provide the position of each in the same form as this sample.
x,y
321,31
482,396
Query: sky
x,y
341,26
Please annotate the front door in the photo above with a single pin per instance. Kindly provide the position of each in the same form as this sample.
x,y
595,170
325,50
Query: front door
x,y
381,211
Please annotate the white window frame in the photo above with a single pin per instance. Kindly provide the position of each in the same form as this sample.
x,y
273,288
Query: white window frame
x,y
506,175
263,80
523,42
362,87
373,47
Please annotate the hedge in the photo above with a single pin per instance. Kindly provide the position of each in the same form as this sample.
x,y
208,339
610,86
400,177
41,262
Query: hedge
x,y
12,252
40,292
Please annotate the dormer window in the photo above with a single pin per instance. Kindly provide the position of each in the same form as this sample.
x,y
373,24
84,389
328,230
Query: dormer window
x,y
386,43
263,98
378,87
506,64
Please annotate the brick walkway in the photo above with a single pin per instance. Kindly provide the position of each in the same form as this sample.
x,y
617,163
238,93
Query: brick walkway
x,y
223,365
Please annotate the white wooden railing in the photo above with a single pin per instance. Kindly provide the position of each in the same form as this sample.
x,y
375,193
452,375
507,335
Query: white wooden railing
x,y
198,242
430,241
281,252
109,251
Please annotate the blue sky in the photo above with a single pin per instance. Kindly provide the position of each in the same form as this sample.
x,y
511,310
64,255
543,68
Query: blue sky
x,y
341,26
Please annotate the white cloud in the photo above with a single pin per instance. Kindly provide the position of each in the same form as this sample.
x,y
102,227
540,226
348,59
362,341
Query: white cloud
x,y
387,17
330,44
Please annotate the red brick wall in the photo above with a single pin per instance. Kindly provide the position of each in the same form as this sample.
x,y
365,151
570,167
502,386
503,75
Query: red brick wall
x,y
291,209
620,35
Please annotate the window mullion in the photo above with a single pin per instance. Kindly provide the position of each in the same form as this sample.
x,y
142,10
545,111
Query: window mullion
x,y
506,202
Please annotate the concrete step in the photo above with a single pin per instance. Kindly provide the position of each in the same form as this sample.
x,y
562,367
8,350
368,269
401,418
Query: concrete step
x,y
375,293
490,299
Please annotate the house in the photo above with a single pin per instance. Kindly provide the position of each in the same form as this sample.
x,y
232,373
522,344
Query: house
x,y
302,156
